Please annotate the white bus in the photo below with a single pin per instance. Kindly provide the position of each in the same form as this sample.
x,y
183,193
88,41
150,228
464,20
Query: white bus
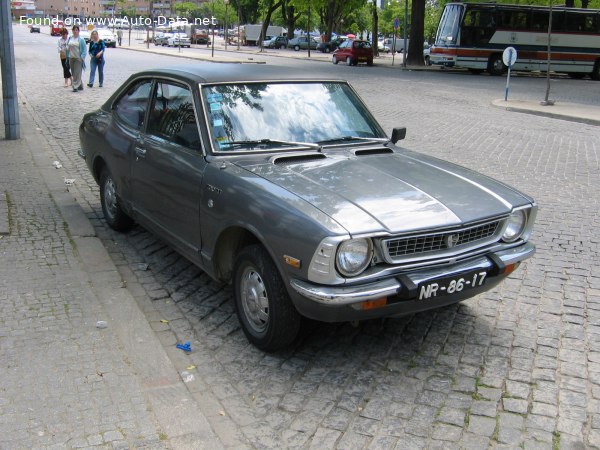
x,y
474,35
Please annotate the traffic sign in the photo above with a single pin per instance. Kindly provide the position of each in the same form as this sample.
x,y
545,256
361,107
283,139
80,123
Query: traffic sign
x,y
396,23
509,57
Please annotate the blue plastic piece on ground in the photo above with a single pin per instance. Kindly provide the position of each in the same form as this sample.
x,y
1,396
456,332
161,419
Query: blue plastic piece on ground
x,y
185,347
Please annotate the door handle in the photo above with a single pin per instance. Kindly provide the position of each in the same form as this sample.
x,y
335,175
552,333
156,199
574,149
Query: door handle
x,y
140,153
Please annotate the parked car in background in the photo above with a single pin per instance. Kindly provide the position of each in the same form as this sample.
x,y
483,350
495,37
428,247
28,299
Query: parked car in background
x,y
382,47
179,40
162,38
85,34
353,52
34,29
303,215
56,26
327,47
107,37
426,53
201,37
276,42
302,43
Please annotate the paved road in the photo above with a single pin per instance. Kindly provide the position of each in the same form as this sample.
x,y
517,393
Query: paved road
x,y
515,367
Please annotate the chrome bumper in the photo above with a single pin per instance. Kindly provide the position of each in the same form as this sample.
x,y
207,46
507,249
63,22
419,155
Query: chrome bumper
x,y
347,295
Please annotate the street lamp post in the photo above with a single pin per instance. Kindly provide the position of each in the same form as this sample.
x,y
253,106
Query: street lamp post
x,y
226,4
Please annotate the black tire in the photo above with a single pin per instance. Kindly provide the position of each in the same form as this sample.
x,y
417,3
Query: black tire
x,y
265,311
596,72
427,61
297,48
495,65
348,61
334,59
476,71
113,214
369,63
327,49
576,75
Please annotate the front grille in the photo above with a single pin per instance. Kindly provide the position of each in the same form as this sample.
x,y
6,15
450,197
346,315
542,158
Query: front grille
x,y
442,241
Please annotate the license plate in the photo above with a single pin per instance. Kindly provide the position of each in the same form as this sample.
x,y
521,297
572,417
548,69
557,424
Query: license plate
x,y
362,59
451,285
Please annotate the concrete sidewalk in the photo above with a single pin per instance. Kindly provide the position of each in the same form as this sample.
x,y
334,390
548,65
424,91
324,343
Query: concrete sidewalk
x,y
573,112
66,380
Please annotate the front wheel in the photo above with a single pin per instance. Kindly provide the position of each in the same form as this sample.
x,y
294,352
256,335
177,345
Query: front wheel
x,y
297,48
265,311
496,66
348,61
334,59
116,218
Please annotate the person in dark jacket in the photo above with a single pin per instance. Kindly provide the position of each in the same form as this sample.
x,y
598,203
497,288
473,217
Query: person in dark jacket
x,y
96,51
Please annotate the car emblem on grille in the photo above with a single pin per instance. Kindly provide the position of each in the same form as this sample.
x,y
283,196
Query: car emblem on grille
x,y
451,240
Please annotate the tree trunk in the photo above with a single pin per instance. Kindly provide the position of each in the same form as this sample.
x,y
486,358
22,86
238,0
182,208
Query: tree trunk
x,y
288,12
375,33
570,3
265,25
417,34
585,3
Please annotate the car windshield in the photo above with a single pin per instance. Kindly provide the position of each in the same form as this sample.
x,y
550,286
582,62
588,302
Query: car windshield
x,y
285,114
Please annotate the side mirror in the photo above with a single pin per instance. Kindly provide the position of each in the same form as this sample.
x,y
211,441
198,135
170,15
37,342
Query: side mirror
x,y
398,134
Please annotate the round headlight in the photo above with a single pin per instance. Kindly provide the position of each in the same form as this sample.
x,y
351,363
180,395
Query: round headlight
x,y
354,256
515,226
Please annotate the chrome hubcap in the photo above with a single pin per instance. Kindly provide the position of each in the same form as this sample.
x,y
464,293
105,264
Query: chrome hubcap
x,y
255,301
110,198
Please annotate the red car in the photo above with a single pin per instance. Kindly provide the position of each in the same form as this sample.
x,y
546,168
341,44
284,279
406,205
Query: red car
x,y
353,52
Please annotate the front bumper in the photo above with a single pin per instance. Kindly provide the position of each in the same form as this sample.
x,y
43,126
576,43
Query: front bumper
x,y
340,303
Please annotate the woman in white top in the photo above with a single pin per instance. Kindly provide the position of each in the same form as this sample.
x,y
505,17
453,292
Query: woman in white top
x,y
62,51
76,53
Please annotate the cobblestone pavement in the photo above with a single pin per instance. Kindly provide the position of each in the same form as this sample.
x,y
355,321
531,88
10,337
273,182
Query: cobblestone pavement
x,y
516,367
64,383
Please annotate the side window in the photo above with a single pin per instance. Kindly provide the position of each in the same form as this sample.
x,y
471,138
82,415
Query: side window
x,y
172,115
132,106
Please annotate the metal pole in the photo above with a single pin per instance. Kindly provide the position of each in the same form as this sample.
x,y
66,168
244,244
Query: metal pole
x,y
308,41
225,34
546,101
405,31
10,101
239,37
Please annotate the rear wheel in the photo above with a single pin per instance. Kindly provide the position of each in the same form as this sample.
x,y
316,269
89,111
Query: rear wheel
x,y
495,65
327,49
427,61
114,215
348,61
297,48
265,311
476,71
576,75
596,72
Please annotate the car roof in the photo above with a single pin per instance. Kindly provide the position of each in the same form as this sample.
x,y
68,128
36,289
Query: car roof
x,y
219,73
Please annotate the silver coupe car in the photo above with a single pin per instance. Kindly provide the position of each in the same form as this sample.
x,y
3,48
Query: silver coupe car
x,y
285,186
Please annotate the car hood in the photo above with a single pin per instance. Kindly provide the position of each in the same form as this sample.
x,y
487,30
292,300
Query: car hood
x,y
393,192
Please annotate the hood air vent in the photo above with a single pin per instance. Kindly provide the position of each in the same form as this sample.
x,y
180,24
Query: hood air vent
x,y
295,159
373,151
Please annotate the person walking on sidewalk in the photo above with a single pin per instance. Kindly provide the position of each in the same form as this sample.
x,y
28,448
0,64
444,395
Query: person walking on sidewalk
x,y
76,53
62,51
97,48
119,36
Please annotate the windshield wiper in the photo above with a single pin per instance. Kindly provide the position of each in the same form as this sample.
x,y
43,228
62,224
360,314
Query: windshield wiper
x,y
268,142
352,138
